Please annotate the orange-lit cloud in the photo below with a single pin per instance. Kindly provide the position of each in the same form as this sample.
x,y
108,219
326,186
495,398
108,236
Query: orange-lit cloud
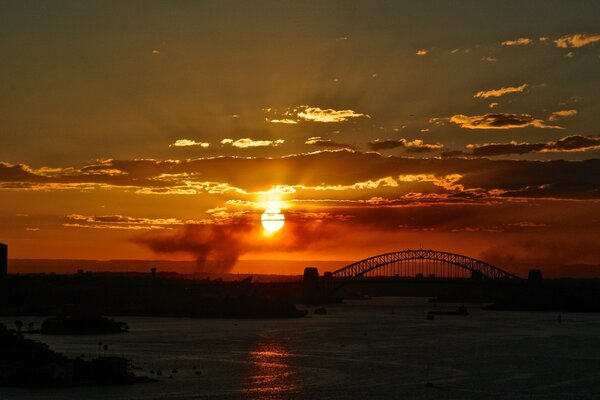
x,y
306,113
555,116
500,92
120,219
247,142
320,142
189,142
329,115
517,42
500,121
328,170
577,40
288,121
422,52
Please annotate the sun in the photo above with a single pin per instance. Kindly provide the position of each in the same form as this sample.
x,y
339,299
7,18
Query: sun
x,y
272,219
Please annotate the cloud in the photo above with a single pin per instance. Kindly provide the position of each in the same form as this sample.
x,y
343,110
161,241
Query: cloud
x,y
497,149
188,142
242,177
414,146
422,52
489,59
453,154
555,116
576,40
283,121
247,142
501,92
499,121
319,141
305,113
317,114
437,121
573,143
121,222
517,42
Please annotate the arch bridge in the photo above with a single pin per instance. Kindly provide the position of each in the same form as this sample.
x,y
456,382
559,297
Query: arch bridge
x,y
420,264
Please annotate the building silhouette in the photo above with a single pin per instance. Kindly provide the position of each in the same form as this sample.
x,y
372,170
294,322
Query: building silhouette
x,y
3,260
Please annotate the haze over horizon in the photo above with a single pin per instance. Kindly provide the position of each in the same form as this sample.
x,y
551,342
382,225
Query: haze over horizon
x,y
137,130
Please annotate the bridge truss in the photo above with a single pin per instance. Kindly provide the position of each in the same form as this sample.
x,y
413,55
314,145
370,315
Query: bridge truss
x,y
420,263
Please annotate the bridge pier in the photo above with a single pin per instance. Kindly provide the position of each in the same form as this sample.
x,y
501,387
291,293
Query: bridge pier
x,y
311,292
534,277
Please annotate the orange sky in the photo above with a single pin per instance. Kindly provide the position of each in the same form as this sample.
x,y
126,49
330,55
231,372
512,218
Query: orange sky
x,y
165,131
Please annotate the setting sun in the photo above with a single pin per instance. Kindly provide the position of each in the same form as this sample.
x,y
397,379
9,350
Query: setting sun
x,y
272,219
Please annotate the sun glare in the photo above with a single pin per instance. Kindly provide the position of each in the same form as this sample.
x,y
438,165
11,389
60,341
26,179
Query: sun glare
x,y
272,219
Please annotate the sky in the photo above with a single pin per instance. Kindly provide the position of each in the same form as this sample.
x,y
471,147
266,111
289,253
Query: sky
x,y
163,130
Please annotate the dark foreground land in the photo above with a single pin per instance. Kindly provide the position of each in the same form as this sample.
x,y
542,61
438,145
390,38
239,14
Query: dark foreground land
x,y
140,295
549,295
27,363
181,296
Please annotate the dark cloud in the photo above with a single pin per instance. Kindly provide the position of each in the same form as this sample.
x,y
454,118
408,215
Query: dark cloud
x,y
575,143
320,142
497,149
410,146
453,154
16,173
236,175
499,121
571,143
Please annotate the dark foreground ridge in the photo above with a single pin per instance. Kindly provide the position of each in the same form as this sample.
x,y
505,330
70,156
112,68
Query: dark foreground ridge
x,y
122,294
82,324
171,295
27,363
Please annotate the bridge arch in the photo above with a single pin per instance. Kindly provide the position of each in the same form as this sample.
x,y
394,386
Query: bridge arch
x,y
420,262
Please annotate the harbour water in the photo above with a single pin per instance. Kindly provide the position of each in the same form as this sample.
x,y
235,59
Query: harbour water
x,y
383,348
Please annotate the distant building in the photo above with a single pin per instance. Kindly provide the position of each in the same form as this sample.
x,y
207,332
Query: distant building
x,y
3,260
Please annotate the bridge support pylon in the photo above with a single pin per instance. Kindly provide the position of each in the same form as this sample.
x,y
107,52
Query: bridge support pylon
x,y
311,292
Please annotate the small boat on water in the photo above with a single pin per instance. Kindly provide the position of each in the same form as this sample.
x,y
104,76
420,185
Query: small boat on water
x,y
462,311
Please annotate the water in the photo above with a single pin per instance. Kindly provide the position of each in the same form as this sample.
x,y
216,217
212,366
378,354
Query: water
x,y
378,349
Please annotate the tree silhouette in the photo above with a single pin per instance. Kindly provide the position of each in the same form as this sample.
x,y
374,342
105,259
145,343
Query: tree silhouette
x,y
19,325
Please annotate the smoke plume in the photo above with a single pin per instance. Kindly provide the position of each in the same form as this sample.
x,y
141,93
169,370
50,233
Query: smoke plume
x,y
218,247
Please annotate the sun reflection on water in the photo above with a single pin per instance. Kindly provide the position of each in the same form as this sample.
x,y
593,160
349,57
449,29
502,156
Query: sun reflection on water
x,y
270,375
